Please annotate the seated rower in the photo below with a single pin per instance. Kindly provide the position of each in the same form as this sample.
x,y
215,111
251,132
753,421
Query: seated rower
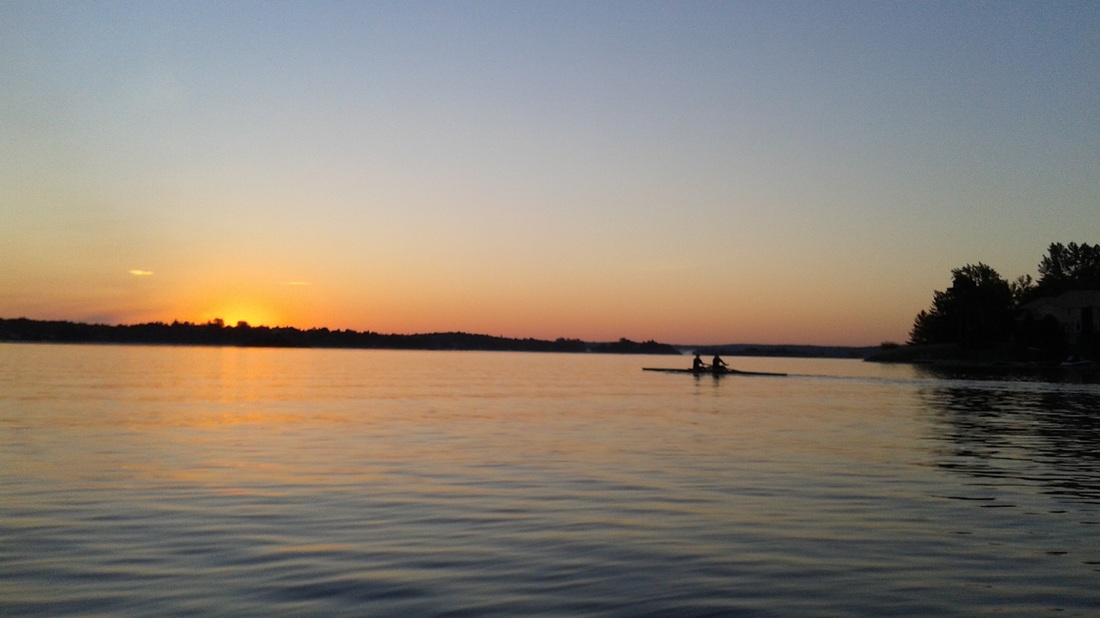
x,y
718,365
698,365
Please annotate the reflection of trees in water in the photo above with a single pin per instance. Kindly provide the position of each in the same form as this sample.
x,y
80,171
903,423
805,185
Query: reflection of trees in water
x,y
1045,437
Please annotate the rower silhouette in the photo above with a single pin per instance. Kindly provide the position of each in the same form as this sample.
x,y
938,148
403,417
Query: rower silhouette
x,y
698,365
718,365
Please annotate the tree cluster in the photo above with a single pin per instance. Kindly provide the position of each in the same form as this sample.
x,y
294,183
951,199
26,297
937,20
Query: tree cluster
x,y
982,310
1067,268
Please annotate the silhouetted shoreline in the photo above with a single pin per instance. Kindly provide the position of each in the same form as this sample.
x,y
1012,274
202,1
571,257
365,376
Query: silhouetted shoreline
x,y
244,335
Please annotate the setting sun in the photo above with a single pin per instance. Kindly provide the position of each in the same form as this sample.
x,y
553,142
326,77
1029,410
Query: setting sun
x,y
231,315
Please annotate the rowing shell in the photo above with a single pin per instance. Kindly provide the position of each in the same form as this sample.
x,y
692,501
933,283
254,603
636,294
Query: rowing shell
x,y
724,372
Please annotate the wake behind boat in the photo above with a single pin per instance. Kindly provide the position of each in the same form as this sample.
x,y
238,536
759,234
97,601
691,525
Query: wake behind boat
x,y
721,371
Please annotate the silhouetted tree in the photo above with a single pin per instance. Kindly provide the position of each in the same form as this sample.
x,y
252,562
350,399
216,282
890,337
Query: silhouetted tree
x,y
1068,267
1022,289
929,327
975,312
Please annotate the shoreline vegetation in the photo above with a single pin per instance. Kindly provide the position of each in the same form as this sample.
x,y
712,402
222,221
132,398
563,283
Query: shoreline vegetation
x,y
986,325
217,333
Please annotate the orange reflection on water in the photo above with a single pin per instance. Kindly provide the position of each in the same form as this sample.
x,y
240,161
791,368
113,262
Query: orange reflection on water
x,y
253,421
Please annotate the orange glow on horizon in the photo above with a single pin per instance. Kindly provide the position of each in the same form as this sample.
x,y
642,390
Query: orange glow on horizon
x,y
255,300
232,314
748,309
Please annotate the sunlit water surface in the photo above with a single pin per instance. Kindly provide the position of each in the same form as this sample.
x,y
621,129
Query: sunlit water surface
x,y
197,481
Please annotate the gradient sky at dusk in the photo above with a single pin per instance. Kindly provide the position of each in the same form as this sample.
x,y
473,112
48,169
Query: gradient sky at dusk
x,y
695,172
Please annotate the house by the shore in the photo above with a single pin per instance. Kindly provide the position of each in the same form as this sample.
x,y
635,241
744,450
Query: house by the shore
x,y
1077,312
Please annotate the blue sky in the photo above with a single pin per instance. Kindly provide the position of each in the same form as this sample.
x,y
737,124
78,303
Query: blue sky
x,y
690,172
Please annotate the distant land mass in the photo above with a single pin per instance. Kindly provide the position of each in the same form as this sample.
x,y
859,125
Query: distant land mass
x,y
216,333
790,351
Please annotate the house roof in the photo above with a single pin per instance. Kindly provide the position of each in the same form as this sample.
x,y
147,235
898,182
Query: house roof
x,y
1073,299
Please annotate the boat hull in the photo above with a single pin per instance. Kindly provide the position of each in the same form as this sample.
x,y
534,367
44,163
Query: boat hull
x,y
708,372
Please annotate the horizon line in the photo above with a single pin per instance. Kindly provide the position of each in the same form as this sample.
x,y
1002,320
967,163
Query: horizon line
x,y
221,322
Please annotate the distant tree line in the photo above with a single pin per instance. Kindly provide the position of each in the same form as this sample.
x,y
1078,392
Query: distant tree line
x,y
245,335
982,310
626,346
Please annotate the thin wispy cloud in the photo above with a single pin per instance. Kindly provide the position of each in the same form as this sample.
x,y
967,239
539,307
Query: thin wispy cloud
x,y
141,273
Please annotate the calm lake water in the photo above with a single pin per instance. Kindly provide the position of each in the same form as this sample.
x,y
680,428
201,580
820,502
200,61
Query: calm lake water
x,y
196,481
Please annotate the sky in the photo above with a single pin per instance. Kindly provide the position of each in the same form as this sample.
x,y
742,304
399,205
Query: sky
x,y
690,172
